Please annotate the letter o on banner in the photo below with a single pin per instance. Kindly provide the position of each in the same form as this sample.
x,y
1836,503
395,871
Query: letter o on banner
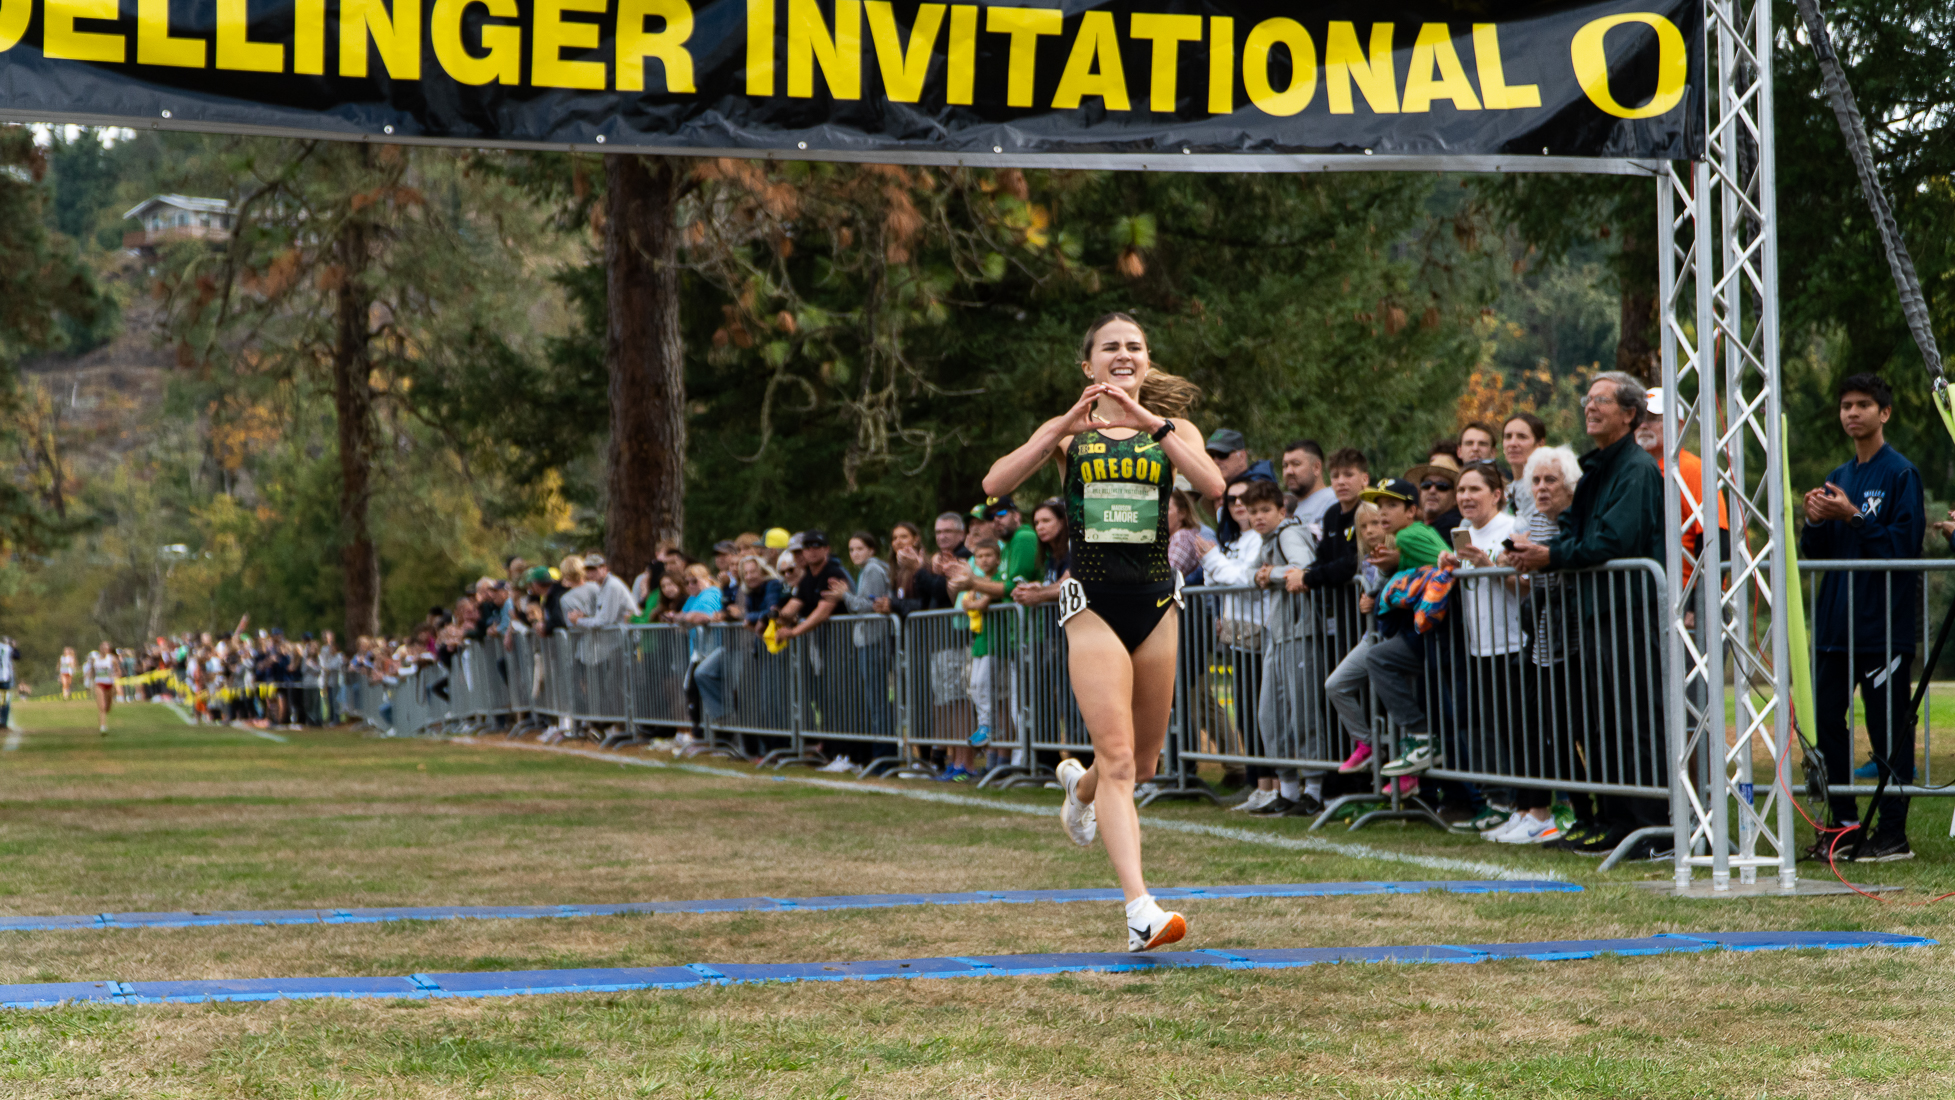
x,y
13,22
1592,64
1303,67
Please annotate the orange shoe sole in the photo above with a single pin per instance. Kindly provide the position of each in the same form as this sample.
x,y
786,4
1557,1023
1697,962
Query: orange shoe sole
x,y
1171,932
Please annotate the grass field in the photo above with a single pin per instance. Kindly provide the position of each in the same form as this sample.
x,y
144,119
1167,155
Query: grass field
x,y
160,815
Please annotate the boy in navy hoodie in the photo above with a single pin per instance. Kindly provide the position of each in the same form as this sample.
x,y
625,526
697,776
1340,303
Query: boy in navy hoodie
x,y
1871,508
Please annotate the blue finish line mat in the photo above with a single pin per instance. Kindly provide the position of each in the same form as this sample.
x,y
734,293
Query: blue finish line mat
x,y
515,983
752,905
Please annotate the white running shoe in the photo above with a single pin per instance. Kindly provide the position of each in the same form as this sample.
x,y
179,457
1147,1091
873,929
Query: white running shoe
x,y
1256,801
1498,831
1532,830
1080,820
838,765
1152,926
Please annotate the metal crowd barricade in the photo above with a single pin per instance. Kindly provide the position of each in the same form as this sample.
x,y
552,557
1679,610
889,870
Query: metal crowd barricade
x,y
842,671
1251,682
603,659
520,655
555,697
1554,682
1036,693
939,709
757,690
1888,663
655,666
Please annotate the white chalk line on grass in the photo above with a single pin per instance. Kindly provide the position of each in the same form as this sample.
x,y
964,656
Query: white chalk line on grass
x,y
176,708
1220,832
13,740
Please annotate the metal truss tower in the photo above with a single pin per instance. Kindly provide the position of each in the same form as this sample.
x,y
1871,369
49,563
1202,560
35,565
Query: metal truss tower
x,y
1728,676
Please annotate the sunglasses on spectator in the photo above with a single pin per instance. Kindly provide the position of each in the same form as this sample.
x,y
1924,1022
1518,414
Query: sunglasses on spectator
x,y
1435,483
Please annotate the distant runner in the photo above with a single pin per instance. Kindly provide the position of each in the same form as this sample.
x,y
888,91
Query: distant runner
x,y
100,670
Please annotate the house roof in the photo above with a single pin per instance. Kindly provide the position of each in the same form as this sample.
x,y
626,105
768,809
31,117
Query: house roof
x,y
181,202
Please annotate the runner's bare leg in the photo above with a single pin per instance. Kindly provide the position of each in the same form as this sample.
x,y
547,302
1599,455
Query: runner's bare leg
x,y
1126,711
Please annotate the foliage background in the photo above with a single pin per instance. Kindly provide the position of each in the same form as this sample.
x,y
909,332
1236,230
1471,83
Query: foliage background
x,y
861,340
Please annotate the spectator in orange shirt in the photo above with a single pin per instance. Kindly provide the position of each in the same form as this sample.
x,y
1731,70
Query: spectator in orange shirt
x,y
1649,436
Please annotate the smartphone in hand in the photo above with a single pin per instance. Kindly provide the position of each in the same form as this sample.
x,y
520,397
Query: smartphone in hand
x,y
1462,538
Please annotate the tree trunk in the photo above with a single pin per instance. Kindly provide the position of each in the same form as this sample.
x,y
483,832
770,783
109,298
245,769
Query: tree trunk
x,y
353,401
1636,348
645,482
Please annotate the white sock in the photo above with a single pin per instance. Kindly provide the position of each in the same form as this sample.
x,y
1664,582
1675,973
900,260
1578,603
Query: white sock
x,y
1288,788
1139,905
1314,787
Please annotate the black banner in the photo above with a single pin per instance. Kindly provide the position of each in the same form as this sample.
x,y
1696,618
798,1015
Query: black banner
x,y
886,79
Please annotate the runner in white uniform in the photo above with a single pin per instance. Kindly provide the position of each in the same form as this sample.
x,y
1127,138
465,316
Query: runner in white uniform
x,y
99,670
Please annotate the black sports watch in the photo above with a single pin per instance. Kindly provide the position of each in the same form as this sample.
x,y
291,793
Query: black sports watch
x,y
1166,429
1858,520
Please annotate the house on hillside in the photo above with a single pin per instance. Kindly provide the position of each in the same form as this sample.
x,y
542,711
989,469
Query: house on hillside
x,y
178,217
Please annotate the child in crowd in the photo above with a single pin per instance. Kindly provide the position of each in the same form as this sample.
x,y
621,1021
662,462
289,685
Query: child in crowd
x,y
1283,704
985,556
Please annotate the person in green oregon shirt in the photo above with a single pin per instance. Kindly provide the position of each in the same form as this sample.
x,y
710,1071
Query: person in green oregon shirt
x,y
1018,564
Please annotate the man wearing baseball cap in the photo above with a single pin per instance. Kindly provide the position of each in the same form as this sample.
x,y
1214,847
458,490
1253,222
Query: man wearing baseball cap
x,y
813,600
1018,560
1231,454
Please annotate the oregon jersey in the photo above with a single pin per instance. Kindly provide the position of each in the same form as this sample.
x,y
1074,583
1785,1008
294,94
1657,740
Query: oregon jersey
x,y
1117,509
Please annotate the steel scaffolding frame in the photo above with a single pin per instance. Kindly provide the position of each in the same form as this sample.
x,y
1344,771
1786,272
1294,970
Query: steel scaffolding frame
x,y
1717,219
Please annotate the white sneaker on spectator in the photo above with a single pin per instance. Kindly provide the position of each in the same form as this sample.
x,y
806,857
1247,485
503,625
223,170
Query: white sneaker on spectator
x,y
1256,801
1500,830
1532,830
1081,821
838,765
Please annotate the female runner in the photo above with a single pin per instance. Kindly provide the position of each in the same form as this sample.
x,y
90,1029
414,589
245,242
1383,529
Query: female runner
x,y
1119,446
99,671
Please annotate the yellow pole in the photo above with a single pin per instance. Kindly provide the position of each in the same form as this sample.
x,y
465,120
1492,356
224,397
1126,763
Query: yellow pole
x,y
1798,646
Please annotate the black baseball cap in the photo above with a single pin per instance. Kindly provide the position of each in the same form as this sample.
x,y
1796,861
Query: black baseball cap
x,y
1225,442
814,538
993,507
1392,488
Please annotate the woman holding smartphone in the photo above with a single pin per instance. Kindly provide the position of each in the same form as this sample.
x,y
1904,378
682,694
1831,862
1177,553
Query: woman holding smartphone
x,y
1490,674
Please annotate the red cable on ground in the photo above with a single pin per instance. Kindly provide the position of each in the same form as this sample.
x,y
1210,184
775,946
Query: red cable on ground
x,y
1832,861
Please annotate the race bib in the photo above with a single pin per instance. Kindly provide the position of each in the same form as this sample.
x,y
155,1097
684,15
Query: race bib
x,y
1072,599
1121,511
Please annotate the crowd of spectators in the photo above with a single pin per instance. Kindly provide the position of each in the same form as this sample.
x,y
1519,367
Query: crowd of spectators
x,y
1471,624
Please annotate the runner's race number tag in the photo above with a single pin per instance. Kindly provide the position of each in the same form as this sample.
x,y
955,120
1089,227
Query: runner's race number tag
x,y
1072,599
1121,511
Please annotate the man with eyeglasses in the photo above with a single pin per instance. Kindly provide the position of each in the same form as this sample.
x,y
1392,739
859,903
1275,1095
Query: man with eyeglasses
x,y
1617,514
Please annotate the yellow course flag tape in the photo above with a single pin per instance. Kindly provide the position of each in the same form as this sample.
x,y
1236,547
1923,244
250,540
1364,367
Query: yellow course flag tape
x,y
1798,646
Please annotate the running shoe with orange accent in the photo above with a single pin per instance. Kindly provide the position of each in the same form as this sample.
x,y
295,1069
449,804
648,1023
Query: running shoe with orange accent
x,y
1153,927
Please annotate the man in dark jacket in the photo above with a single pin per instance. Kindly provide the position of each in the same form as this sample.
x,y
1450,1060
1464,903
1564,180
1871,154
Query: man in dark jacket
x,y
1617,514
1863,625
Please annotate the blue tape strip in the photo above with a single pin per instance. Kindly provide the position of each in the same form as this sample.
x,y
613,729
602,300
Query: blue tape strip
x,y
749,905
612,979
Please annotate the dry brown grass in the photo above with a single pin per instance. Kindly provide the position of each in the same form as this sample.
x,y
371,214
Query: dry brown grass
x,y
176,819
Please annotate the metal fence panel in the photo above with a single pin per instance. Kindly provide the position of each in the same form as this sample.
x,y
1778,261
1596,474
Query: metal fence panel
x,y
757,685
1553,681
